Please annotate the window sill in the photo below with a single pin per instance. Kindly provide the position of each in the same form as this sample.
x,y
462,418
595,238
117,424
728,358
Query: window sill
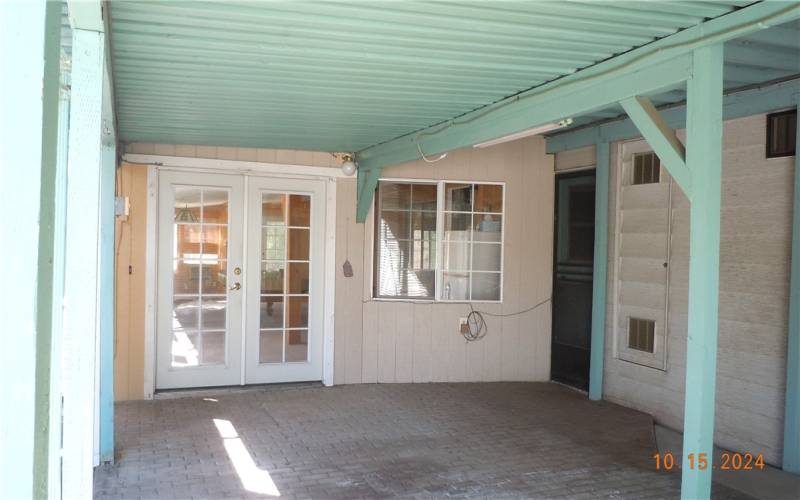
x,y
433,301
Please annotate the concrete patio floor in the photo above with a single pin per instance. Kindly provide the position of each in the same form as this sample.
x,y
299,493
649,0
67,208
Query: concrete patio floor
x,y
487,440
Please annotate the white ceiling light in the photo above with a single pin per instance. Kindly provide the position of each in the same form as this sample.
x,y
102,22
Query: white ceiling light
x,y
348,165
542,129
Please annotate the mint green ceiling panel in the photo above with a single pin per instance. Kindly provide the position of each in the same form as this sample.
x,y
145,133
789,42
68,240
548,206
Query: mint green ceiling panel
x,y
342,76
765,56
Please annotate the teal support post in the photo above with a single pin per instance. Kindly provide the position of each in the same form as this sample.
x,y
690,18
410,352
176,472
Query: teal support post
x,y
25,170
49,253
106,299
704,159
82,270
366,183
108,178
791,422
600,272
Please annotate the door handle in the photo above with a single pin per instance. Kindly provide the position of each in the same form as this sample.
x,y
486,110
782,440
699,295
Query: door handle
x,y
236,286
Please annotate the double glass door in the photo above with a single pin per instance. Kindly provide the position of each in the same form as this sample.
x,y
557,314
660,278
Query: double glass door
x,y
239,280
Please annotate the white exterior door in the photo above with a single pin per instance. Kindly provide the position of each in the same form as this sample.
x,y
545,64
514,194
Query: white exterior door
x,y
240,280
285,280
644,233
200,260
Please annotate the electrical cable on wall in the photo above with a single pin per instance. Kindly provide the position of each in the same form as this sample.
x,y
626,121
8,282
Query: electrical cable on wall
x,y
476,324
426,159
476,327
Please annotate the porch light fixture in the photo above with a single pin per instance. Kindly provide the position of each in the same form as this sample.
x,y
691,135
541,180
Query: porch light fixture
x,y
542,129
348,165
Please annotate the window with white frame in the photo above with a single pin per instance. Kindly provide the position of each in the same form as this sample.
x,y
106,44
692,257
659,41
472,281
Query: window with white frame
x,y
438,241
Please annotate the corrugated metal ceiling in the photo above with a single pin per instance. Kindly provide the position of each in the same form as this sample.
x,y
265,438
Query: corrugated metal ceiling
x,y
341,76
765,56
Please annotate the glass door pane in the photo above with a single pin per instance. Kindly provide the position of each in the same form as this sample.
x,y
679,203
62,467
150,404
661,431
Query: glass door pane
x,y
284,267
200,282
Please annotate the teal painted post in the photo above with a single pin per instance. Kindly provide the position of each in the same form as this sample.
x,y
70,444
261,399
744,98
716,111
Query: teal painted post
x,y
47,296
791,422
108,182
704,159
80,331
22,50
106,299
600,272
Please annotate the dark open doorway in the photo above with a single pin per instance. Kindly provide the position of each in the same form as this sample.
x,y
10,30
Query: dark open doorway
x,y
572,278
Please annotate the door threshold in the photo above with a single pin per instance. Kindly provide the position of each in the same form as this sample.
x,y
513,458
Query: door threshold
x,y
200,392
569,386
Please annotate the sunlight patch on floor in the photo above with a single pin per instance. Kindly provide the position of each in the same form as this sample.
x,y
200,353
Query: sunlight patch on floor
x,y
253,479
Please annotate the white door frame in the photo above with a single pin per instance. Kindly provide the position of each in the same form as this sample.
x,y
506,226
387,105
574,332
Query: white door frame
x,y
156,163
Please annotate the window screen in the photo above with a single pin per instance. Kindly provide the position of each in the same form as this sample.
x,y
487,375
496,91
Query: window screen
x,y
405,240
782,134
646,169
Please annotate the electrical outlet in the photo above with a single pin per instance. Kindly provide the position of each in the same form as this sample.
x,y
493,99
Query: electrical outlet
x,y
463,326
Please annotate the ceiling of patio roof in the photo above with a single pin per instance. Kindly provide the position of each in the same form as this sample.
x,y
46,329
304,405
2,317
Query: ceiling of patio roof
x,y
765,56
341,76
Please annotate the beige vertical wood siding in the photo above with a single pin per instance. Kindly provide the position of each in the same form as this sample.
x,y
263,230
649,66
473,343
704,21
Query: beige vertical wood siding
x,y
383,341
403,342
754,284
130,277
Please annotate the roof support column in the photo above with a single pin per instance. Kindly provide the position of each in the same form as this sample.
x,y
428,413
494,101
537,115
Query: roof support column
x,y
82,278
26,172
791,422
704,160
600,272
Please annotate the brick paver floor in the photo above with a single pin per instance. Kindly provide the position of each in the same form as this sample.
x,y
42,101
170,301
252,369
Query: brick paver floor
x,y
492,440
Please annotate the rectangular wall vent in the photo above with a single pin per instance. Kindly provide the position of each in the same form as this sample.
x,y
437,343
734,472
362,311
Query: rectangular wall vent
x,y
641,334
646,168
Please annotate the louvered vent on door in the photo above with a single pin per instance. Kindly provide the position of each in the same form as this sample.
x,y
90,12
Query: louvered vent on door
x,y
646,168
641,334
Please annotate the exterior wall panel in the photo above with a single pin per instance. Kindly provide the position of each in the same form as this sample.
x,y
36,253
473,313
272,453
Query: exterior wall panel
x,y
385,341
402,342
754,285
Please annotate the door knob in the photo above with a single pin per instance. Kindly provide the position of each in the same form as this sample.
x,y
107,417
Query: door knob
x,y
236,286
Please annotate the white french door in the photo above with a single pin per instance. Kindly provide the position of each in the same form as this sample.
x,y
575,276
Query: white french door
x,y
240,279
285,259
200,252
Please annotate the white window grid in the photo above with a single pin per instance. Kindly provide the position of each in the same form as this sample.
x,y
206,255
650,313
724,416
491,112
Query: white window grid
x,y
267,259
200,261
440,242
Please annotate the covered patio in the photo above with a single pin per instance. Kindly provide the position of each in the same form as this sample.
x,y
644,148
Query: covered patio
x,y
363,199
500,440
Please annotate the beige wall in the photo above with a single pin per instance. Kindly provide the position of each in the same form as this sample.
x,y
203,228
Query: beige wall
x,y
404,342
754,271
397,342
130,277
